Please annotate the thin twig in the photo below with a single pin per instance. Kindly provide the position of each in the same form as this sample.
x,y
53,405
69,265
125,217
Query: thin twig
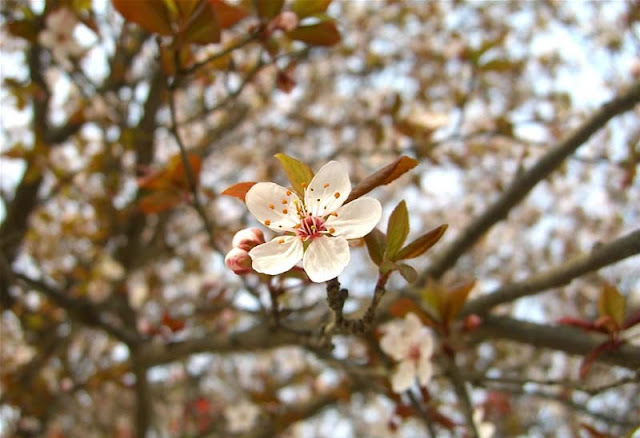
x,y
189,172
527,180
458,382
603,255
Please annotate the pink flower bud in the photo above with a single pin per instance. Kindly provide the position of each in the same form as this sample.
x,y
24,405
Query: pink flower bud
x,y
247,238
238,261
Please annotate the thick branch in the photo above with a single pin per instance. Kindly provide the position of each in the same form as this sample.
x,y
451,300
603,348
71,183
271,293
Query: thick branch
x,y
258,338
528,180
603,255
562,338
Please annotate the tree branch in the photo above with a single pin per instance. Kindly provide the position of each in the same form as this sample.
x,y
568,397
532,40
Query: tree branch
x,y
567,339
523,184
603,255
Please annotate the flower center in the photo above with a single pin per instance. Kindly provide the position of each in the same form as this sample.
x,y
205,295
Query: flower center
x,y
310,227
414,353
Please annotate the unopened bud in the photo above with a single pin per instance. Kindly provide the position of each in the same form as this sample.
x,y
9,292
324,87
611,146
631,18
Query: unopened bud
x,y
247,238
238,261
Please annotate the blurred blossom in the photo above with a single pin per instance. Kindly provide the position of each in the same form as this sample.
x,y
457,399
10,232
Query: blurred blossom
x,y
485,429
317,226
238,261
411,344
58,36
241,417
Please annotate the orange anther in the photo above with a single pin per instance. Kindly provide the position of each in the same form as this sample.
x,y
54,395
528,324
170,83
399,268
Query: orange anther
x,y
285,211
304,184
284,201
271,206
325,185
337,195
332,230
288,192
281,241
267,222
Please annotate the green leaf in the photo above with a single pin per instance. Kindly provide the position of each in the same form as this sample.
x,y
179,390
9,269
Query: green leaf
x,y
397,230
611,303
306,8
421,244
299,174
376,243
383,176
407,272
324,33
387,266
455,299
268,8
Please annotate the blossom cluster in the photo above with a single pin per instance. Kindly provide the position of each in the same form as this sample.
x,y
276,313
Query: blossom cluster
x,y
58,36
410,344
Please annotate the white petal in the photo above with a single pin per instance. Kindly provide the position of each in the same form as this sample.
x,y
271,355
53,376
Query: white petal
x,y
403,377
425,369
356,219
277,256
325,258
328,189
273,205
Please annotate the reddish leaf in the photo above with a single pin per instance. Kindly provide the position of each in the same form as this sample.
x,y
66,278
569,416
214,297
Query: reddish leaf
x,y
455,299
151,15
306,8
178,172
157,202
202,26
406,305
397,230
228,15
421,244
376,244
268,8
324,33
24,29
238,190
383,176
173,324
588,361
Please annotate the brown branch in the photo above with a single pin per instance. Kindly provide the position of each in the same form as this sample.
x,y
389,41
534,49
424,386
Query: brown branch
x,y
258,338
602,255
523,184
567,339
144,405
458,382
79,309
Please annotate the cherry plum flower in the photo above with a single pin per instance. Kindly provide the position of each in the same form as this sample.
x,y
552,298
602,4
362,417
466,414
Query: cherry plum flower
x,y
241,417
411,344
316,227
58,36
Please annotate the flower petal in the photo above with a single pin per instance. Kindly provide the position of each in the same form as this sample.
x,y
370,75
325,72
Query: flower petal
x,y
425,369
356,219
273,205
325,258
328,189
403,377
278,255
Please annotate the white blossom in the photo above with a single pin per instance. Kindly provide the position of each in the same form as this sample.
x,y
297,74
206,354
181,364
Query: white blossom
x,y
241,417
58,36
411,344
317,227
485,429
